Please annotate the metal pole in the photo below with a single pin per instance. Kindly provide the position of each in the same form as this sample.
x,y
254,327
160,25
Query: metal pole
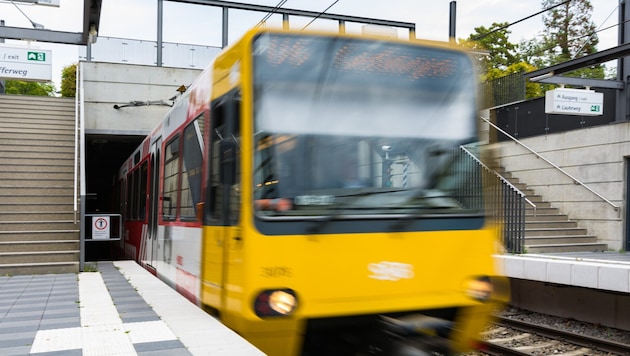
x,y
224,31
623,64
285,21
451,27
160,24
2,90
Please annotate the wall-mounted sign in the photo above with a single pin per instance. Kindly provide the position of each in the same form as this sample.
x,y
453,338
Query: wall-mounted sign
x,y
100,227
21,63
574,102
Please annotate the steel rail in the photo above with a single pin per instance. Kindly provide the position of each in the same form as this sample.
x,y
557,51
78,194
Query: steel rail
x,y
573,338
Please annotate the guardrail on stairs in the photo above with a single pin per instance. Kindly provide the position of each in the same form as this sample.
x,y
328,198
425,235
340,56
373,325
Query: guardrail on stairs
x,y
506,202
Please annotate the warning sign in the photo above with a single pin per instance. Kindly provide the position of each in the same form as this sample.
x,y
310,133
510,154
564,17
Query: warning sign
x,y
100,227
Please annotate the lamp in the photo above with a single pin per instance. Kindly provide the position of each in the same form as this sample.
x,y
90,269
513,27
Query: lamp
x,y
92,34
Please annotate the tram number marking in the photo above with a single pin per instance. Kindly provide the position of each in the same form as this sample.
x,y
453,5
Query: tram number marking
x,y
276,272
390,271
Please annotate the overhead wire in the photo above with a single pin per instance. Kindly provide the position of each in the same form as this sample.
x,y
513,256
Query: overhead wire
x,y
596,30
320,14
270,13
589,36
515,22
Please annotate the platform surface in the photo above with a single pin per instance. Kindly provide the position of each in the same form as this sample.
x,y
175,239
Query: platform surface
x,y
609,271
120,310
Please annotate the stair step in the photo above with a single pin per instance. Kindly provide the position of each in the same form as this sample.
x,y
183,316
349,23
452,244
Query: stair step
x,y
546,217
43,169
36,199
37,190
10,269
37,175
554,231
554,224
39,235
539,205
30,154
23,127
560,239
36,207
24,140
36,183
30,215
36,225
39,246
39,257
17,161
574,247
27,138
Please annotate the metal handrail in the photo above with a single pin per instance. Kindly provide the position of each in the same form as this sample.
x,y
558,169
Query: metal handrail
x,y
76,151
505,181
575,180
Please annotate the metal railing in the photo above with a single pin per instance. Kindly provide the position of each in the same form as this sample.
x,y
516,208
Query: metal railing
x,y
503,200
575,180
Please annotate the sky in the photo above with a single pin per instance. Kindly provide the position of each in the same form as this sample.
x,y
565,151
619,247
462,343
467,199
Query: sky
x,y
201,25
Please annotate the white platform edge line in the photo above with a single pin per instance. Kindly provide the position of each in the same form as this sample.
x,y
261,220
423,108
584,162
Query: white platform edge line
x,y
200,333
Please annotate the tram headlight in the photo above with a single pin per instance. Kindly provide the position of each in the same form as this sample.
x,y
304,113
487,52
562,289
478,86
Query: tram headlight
x,y
275,302
485,289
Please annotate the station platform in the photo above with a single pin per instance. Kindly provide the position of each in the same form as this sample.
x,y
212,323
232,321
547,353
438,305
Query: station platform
x,y
120,310
606,271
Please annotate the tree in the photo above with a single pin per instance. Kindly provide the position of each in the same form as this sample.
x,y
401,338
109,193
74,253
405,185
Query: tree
x,y
21,87
569,34
501,58
69,81
500,52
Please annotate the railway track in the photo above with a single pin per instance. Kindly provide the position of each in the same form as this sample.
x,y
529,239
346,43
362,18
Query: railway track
x,y
514,337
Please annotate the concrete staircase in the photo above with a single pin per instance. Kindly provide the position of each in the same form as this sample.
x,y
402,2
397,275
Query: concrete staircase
x,y
38,233
549,231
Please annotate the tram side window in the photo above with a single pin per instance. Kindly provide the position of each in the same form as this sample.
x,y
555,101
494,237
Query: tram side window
x,y
191,170
131,202
216,192
171,167
142,191
225,119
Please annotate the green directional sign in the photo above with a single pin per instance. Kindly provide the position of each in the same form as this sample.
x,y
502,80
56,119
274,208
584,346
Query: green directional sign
x,y
36,56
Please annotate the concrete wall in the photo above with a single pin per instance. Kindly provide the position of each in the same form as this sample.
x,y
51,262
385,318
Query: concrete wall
x,y
108,84
594,156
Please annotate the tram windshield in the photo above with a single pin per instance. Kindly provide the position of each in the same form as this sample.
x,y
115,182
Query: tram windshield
x,y
362,127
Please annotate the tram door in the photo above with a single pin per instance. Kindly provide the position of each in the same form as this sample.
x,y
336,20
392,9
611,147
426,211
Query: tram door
x,y
152,229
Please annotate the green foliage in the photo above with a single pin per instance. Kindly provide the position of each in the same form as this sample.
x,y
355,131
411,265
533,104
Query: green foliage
x,y
21,87
498,51
569,33
69,81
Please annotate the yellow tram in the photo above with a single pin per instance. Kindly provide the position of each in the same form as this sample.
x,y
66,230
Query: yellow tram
x,y
314,192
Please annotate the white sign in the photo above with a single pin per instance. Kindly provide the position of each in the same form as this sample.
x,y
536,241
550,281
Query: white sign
x,y
25,64
100,227
574,102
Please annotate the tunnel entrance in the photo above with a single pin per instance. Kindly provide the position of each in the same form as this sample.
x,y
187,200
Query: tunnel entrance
x,y
104,154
